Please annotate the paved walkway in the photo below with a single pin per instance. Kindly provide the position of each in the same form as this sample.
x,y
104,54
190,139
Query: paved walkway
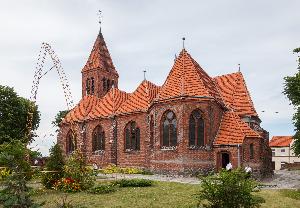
x,y
282,179
155,177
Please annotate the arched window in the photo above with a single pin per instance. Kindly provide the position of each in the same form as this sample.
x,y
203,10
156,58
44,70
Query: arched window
x,y
251,147
104,85
108,84
132,136
169,130
196,128
87,86
98,140
70,146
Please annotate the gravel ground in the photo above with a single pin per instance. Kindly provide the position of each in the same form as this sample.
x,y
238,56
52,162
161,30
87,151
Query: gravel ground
x,y
282,179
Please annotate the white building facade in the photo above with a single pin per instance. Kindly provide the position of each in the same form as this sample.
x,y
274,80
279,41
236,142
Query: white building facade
x,y
282,151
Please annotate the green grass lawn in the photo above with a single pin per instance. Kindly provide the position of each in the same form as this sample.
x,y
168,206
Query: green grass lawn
x,y
162,194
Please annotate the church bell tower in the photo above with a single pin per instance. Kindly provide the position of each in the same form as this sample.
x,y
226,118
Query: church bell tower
x,y
99,74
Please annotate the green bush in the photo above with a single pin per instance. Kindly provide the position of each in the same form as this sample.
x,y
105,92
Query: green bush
x,y
103,189
49,179
133,183
56,163
77,170
229,189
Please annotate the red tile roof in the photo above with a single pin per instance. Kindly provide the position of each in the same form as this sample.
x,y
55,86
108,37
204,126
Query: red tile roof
x,y
233,130
99,57
188,78
234,92
81,111
109,104
140,99
280,141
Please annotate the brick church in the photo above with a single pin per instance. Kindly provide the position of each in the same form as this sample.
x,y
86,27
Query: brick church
x,y
192,123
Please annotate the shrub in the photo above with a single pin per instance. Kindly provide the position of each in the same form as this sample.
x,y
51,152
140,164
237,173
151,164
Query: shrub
x,y
56,163
111,169
103,189
133,182
67,185
229,189
77,170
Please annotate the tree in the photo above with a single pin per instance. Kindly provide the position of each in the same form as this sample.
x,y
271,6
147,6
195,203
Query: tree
x,y
59,117
13,115
229,189
16,192
292,91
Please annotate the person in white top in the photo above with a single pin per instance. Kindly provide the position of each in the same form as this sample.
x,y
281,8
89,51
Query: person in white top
x,y
229,166
248,171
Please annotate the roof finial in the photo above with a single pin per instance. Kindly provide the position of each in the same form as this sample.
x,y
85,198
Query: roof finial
x,y
175,57
100,18
144,74
239,67
183,39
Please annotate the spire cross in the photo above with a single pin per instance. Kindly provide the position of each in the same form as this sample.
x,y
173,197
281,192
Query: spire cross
x,y
144,74
100,17
183,39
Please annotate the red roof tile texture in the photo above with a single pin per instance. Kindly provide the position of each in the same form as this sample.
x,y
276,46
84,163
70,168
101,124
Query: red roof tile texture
x,y
235,94
109,104
140,99
81,111
188,78
280,141
233,130
99,57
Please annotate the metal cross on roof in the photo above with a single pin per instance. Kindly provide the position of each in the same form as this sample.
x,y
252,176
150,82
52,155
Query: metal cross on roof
x,y
100,17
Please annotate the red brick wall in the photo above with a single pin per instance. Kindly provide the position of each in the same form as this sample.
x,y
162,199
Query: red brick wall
x,y
184,159
136,158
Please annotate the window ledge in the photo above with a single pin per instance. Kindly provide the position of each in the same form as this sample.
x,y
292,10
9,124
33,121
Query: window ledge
x,y
172,148
131,151
99,152
194,147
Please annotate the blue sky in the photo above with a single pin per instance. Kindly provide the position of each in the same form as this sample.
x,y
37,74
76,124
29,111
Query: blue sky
x,y
259,35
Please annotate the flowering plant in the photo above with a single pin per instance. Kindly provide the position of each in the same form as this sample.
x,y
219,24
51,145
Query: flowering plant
x,y
67,185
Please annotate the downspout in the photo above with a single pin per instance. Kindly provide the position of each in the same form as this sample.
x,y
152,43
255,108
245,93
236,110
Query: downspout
x,y
239,159
115,134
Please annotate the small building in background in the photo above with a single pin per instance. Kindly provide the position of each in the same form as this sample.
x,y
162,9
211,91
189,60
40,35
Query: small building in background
x,y
282,152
